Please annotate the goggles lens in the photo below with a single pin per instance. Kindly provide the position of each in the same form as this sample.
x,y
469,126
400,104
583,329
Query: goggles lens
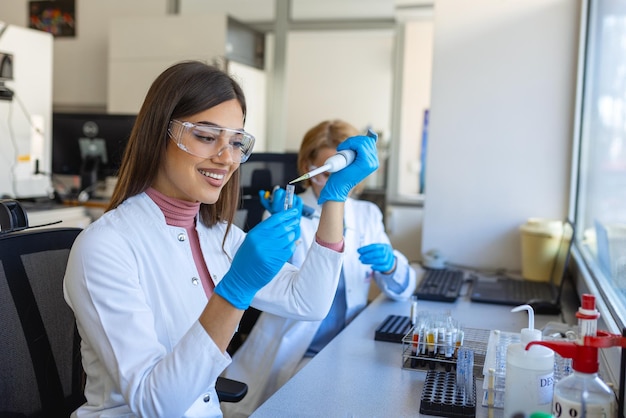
x,y
207,141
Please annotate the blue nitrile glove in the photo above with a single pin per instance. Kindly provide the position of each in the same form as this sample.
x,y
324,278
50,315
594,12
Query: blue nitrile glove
x,y
380,256
276,201
264,251
339,184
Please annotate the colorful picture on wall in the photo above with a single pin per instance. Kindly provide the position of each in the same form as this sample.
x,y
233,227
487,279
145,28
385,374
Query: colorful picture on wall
x,y
57,17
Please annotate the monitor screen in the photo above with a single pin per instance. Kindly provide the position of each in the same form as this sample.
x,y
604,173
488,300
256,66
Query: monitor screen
x,y
264,170
76,137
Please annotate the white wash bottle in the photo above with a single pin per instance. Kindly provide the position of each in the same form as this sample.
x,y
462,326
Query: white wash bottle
x,y
529,378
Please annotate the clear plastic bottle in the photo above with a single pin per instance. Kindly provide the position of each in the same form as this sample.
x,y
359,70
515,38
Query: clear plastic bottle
x,y
583,393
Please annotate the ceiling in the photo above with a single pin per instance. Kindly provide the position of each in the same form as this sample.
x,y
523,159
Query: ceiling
x,y
257,11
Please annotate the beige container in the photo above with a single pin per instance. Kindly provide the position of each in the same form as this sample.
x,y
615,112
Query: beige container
x,y
540,244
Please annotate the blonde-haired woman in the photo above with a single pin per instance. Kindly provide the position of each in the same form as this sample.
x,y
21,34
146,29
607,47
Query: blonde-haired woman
x,y
278,346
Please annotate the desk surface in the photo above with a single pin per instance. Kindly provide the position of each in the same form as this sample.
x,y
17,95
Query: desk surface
x,y
357,376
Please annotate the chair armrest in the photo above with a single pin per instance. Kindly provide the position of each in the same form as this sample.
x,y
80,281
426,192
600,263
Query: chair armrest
x,y
229,390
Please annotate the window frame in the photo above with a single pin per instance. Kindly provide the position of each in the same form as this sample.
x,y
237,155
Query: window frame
x,y
589,278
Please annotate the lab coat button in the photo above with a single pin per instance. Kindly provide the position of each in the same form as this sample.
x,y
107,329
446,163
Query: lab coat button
x,y
195,281
181,237
207,398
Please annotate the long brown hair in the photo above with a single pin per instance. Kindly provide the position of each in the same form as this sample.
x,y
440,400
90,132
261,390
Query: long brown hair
x,y
326,134
182,90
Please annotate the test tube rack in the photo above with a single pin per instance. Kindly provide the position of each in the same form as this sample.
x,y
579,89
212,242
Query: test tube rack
x,y
435,358
441,396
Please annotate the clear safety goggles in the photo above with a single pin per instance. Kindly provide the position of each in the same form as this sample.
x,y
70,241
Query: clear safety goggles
x,y
208,141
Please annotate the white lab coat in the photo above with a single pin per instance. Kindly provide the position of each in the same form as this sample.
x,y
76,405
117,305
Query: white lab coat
x,y
131,281
271,353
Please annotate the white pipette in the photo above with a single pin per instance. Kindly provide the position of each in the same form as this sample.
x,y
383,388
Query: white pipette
x,y
335,163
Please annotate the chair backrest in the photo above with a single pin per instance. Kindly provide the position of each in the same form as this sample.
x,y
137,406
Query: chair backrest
x,y
40,369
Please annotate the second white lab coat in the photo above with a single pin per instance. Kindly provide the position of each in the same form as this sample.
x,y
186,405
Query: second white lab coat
x,y
271,353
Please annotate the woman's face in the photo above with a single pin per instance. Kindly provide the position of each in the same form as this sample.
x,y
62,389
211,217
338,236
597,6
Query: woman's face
x,y
318,182
195,179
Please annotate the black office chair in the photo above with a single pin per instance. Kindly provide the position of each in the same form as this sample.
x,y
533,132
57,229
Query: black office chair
x,y
40,370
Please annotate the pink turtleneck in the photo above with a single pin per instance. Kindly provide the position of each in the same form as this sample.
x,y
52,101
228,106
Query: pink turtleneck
x,y
182,214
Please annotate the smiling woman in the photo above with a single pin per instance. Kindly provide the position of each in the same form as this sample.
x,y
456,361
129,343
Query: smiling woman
x,y
167,262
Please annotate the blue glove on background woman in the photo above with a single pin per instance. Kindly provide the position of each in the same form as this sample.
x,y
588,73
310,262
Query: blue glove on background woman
x,y
380,256
276,201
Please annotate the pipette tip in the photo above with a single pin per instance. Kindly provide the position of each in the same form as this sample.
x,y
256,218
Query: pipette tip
x,y
304,177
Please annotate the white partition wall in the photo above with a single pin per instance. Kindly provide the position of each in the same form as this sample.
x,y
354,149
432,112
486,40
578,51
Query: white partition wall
x,y
140,48
253,82
502,103
25,120
338,74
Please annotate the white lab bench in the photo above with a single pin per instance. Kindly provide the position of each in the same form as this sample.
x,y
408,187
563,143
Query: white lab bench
x,y
69,216
357,376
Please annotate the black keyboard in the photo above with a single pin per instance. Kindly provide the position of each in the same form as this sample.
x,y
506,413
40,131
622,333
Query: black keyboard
x,y
442,285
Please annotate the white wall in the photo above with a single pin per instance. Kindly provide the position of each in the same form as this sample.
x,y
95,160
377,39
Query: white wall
x,y
140,48
338,74
264,10
253,82
404,225
501,125
245,10
80,64
416,85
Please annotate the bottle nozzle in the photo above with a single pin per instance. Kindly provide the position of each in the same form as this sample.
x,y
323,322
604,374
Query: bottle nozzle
x,y
588,302
528,334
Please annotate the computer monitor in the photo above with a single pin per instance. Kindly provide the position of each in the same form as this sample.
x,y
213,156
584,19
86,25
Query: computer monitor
x,y
263,171
89,145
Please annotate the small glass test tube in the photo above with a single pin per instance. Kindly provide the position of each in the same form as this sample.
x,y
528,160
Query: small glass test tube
x,y
465,371
290,190
413,316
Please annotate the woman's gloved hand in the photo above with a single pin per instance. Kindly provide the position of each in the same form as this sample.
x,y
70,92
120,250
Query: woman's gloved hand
x,y
340,183
274,201
380,256
264,251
